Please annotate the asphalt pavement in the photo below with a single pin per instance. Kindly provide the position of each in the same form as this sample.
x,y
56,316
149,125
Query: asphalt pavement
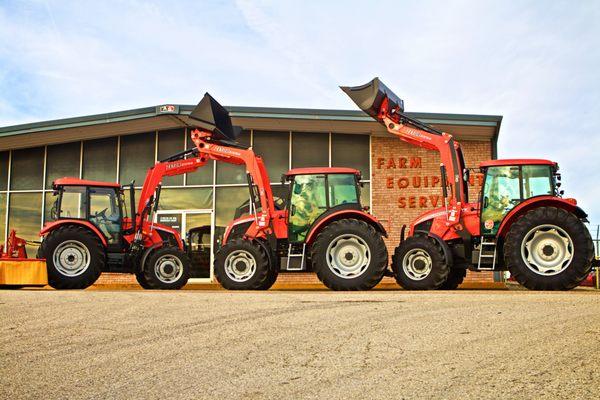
x,y
292,345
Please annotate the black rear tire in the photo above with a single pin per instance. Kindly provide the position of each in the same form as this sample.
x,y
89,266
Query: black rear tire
x,y
554,223
455,278
244,265
74,245
419,264
167,268
353,242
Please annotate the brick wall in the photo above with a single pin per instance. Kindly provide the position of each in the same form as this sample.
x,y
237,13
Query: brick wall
x,y
405,183
413,174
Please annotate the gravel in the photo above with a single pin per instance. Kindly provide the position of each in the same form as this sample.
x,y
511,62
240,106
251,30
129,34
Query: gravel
x,y
284,344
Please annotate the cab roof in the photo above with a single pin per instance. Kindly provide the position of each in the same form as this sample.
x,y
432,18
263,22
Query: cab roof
x,y
516,161
83,182
322,170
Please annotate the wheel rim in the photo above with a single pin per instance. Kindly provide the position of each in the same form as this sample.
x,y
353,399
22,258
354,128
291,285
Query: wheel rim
x,y
348,256
417,264
240,266
547,250
168,268
71,258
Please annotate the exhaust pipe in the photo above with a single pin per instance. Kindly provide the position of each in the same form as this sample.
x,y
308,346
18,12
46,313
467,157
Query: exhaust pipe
x,y
369,97
212,116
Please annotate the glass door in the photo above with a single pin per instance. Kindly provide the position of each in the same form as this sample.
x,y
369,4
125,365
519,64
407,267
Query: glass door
x,y
196,229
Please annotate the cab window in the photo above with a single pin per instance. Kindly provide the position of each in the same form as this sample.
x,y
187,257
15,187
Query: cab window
x,y
501,193
537,180
342,189
308,201
105,212
72,203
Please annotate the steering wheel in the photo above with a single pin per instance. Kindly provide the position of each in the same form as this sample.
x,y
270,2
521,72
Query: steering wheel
x,y
101,214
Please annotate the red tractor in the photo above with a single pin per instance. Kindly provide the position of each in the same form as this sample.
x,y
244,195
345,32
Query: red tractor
x,y
92,231
521,222
324,228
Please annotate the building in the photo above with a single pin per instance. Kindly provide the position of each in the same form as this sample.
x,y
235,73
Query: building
x,y
399,181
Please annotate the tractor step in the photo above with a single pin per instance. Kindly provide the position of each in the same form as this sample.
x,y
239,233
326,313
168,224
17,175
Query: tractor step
x,y
294,251
487,250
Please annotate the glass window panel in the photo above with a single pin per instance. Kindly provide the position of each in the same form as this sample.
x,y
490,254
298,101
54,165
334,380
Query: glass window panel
x,y
203,175
2,216
280,195
62,160
342,189
27,169
231,173
100,159
537,180
105,213
127,201
185,199
274,148
351,151
500,194
24,215
227,201
136,156
198,239
308,202
310,150
4,170
169,143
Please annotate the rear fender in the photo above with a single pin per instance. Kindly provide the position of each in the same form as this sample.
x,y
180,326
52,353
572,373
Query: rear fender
x,y
569,205
356,214
87,224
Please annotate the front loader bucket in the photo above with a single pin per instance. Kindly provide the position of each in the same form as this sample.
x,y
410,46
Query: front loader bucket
x,y
369,97
212,116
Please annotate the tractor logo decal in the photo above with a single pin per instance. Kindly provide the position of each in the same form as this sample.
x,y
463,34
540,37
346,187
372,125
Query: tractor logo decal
x,y
488,224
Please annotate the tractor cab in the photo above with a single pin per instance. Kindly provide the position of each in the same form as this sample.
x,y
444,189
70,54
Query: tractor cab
x,y
316,193
100,203
507,183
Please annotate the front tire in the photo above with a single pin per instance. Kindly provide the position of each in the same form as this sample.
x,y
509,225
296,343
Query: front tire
x,y
349,254
419,264
168,268
244,265
455,278
74,256
549,248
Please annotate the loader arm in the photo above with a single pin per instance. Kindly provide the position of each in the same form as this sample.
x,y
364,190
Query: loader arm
x,y
383,105
215,150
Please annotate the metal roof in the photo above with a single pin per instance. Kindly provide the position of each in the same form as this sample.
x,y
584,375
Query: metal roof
x,y
242,112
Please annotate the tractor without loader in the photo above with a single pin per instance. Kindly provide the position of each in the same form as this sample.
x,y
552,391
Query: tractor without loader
x,y
521,222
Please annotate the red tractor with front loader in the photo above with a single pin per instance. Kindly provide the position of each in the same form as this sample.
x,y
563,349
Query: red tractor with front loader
x,y
521,222
325,225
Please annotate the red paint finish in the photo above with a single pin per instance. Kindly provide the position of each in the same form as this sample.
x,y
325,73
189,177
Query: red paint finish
x,y
516,161
50,226
314,230
83,182
534,202
322,170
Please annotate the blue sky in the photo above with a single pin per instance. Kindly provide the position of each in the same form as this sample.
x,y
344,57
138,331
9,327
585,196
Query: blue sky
x,y
537,63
